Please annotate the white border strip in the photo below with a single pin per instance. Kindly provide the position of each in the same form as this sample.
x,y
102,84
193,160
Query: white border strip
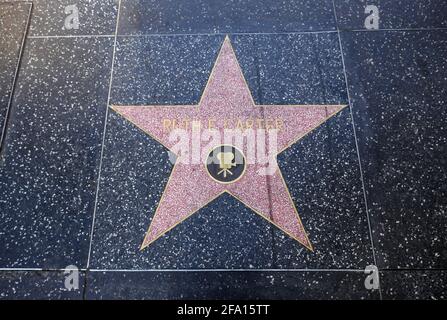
x,y
186,270
356,145
98,182
13,84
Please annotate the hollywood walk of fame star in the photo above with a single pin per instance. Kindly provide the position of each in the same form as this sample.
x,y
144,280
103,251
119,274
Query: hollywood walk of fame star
x,y
190,186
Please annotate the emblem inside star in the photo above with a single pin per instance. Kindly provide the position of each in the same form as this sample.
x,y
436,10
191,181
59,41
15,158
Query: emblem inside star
x,y
191,186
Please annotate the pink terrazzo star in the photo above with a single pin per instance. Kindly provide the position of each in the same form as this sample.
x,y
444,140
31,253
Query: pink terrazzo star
x,y
190,187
